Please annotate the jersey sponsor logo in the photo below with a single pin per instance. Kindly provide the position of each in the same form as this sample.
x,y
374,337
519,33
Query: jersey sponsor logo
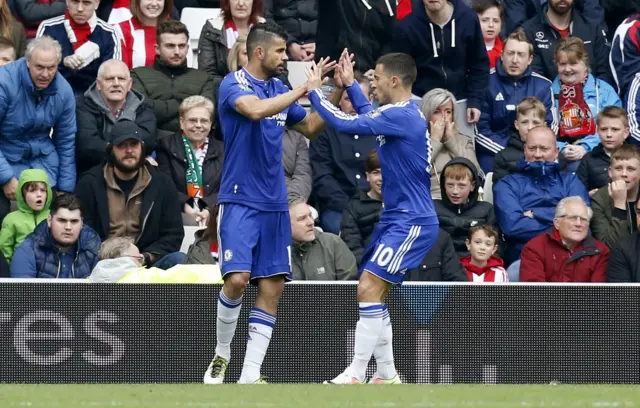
x,y
280,118
228,254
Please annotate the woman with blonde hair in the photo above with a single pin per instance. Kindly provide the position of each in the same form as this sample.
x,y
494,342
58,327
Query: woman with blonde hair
x,y
238,54
193,159
438,106
11,29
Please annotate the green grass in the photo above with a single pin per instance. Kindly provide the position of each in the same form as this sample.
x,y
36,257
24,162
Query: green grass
x,y
320,396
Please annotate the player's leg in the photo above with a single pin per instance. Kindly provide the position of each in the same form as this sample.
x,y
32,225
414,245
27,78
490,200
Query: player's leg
x,y
237,234
262,320
272,268
386,371
371,293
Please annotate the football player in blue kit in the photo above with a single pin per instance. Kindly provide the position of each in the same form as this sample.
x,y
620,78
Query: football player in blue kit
x,y
408,225
254,234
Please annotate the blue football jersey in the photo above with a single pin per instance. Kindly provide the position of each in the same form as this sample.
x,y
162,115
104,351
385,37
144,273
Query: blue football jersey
x,y
403,147
253,173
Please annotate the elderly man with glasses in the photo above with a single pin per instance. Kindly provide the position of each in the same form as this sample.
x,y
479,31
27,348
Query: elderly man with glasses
x,y
565,253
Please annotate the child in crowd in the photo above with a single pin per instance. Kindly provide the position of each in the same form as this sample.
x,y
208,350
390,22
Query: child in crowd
x,y
613,128
490,14
33,196
7,51
529,114
482,265
461,206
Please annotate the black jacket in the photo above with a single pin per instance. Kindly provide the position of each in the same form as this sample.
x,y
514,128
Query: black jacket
x,y
298,17
506,159
453,57
593,170
624,261
358,220
172,161
350,24
516,12
545,39
457,219
337,163
95,122
165,87
441,263
160,215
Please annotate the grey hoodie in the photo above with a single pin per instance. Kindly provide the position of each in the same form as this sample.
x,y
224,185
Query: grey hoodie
x,y
111,270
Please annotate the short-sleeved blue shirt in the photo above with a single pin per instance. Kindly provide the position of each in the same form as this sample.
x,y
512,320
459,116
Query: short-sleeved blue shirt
x,y
253,173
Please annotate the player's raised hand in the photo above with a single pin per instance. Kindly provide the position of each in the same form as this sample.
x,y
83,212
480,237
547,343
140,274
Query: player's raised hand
x,y
344,70
314,77
326,65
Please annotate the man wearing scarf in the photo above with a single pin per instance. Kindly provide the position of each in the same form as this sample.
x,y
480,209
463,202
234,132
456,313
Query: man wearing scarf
x,y
86,42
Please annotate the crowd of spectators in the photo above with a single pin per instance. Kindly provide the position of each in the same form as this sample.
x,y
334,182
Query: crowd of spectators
x,y
110,143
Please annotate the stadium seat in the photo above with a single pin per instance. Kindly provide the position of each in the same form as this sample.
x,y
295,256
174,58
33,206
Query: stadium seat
x,y
189,238
194,19
488,188
298,76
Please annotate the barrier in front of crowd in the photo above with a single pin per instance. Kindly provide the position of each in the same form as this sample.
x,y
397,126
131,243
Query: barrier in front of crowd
x,y
443,333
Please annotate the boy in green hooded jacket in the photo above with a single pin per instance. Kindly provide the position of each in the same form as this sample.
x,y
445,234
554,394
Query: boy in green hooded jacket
x,y
34,199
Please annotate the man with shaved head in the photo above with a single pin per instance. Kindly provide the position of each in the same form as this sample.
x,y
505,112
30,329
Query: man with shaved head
x,y
525,201
109,100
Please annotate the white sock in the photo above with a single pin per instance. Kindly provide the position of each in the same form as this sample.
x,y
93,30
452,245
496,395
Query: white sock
x,y
367,333
226,322
384,349
260,329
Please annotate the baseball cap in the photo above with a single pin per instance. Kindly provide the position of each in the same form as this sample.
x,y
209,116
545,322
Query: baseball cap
x,y
124,130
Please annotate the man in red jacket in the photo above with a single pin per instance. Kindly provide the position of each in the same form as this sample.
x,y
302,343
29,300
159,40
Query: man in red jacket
x,y
565,253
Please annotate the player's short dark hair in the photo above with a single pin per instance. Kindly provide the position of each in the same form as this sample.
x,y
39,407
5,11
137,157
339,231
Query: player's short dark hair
x,y
6,43
401,65
171,27
262,34
372,161
67,201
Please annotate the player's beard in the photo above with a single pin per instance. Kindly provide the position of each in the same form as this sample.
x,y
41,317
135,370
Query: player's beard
x,y
276,71
126,169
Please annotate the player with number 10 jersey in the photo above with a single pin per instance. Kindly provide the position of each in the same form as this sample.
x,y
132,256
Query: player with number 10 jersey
x,y
408,225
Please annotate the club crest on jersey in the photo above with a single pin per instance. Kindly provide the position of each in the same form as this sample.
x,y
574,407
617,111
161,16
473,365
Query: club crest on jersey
x,y
374,113
280,118
228,255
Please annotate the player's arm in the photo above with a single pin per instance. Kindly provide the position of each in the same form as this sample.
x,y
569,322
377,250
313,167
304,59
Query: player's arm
x,y
255,108
312,125
388,122
359,101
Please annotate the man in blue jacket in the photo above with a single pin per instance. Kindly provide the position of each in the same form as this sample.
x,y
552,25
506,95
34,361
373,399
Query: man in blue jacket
x,y
60,247
37,121
86,42
445,40
509,83
516,12
525,201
